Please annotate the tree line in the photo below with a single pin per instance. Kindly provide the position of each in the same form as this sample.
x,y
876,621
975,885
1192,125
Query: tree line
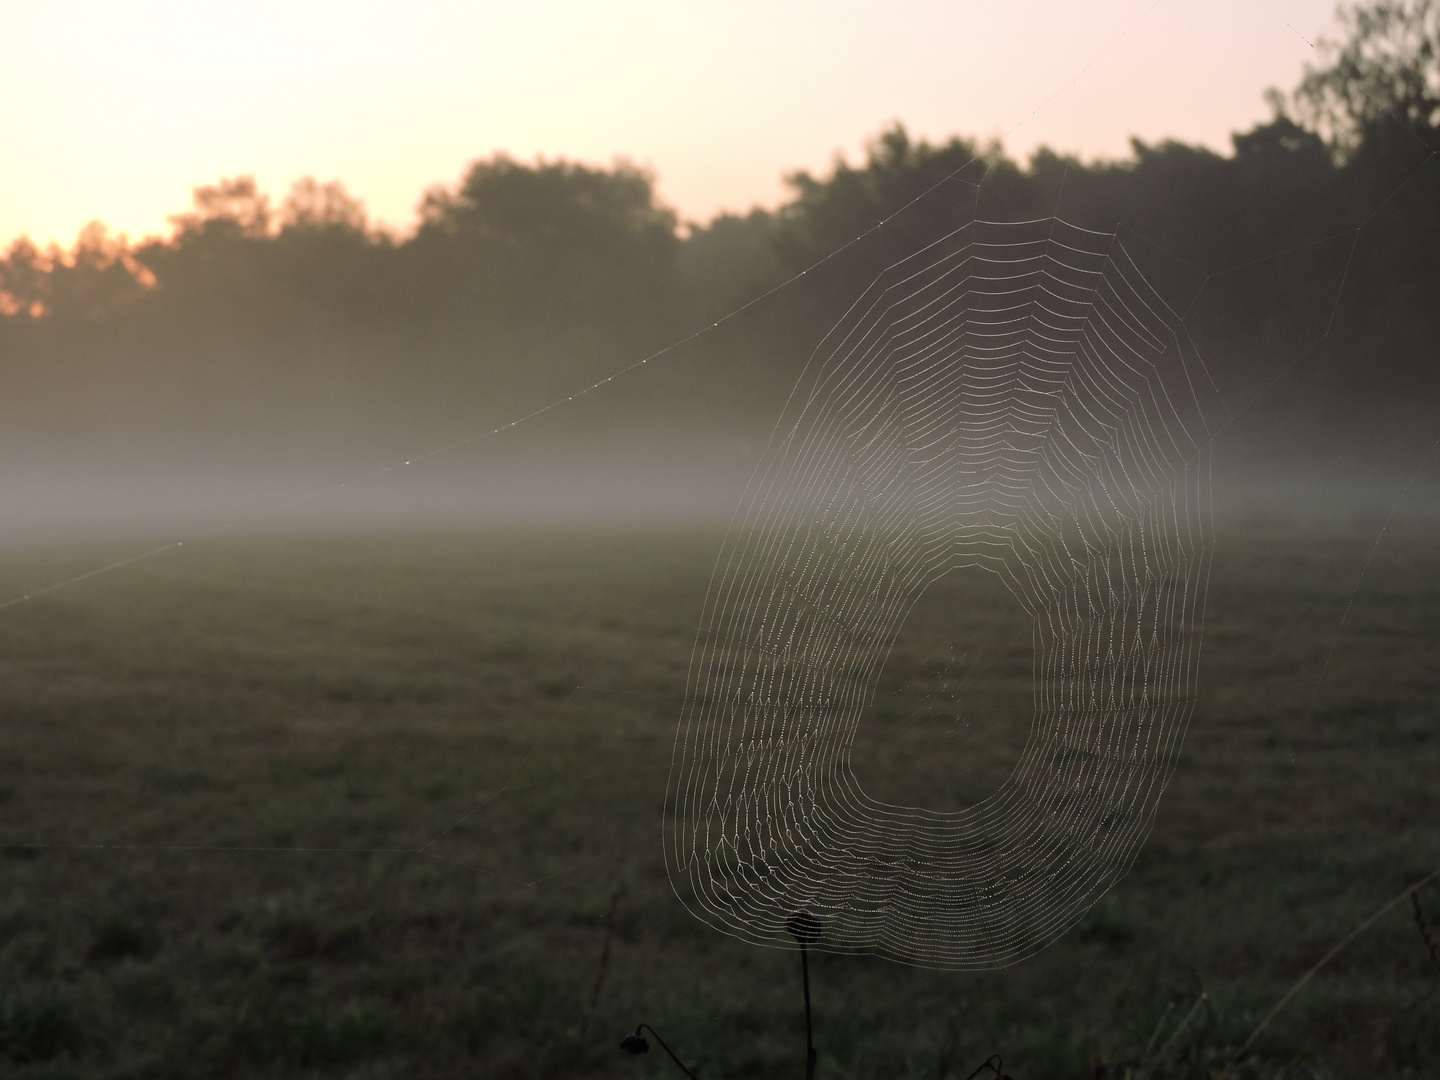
x,y
1320,231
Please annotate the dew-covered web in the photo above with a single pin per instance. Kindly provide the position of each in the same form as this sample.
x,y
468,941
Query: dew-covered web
x,y
1014,398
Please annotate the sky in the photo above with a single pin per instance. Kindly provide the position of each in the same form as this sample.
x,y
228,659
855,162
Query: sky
x,y
118,110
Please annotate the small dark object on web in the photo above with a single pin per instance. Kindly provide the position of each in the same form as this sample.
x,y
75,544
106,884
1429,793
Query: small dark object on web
x,y
803,927
638,1044
994,1064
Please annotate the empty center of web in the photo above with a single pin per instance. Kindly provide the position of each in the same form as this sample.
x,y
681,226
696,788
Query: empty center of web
x,y
953,706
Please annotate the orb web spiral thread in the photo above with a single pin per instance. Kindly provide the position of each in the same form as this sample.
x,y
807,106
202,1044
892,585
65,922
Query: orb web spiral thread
x,y
1016,398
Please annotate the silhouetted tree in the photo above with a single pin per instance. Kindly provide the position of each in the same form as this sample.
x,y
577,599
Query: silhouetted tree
x,y
524,281
312,205
1386,70
558,240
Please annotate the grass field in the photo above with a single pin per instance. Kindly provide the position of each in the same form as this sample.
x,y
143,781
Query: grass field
x,y
358,806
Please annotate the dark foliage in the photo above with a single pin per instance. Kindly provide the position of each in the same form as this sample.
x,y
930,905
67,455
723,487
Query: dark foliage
x,y
527,282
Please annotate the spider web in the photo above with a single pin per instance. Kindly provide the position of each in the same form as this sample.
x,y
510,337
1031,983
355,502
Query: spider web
x,y
1015,398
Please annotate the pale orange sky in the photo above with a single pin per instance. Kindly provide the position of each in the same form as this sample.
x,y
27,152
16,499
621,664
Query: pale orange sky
x,y
117,110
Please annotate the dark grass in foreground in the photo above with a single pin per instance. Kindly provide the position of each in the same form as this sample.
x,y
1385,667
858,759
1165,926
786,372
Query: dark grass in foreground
x,y
188,745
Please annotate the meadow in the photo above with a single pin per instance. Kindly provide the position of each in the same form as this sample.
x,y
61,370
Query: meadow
x,y
388,805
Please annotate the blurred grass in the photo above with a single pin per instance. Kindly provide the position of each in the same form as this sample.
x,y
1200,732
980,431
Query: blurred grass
x,y
217,768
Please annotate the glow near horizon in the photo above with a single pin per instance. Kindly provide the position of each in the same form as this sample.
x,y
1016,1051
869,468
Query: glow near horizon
x,y
125,108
